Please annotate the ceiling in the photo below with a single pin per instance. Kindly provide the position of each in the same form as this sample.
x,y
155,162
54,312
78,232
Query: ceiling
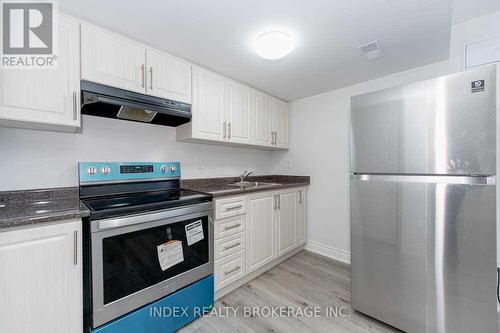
x,y
218,34
464,10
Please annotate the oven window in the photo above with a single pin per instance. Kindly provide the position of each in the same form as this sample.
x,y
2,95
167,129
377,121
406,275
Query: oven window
x,y
137,260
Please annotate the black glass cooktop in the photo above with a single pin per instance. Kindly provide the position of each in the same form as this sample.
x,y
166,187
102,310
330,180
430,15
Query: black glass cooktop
x,y
125,204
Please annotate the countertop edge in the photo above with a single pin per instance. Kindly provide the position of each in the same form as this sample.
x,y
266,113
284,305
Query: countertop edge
x,y
212,185
40,221
230,193
19,207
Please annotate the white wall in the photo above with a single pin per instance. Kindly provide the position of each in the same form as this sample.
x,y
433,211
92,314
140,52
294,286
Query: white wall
x,y
320,140
41,159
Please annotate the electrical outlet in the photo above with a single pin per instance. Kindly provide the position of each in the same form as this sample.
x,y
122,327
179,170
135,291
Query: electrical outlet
x,y
202,163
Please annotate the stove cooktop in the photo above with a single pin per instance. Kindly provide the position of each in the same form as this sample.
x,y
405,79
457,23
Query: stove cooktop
x,y
111,189
113,206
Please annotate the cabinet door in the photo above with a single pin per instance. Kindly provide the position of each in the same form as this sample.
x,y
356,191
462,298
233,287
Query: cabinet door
x,y
301,216
208,105
49,96
113,60
239,112
41,279
260,230
286,221
262,119
281,123
168,77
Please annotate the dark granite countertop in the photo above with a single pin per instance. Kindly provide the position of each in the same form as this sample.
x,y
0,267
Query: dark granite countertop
x,y
31,207
26,208
219,187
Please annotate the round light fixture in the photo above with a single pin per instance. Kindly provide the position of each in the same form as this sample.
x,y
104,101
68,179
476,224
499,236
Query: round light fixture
x,y
273,45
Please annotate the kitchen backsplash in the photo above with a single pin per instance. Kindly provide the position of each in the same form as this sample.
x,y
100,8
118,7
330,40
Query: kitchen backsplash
x,y
43,159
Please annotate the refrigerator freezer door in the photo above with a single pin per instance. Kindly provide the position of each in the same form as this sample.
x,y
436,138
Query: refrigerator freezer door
x,y
423,252
440,126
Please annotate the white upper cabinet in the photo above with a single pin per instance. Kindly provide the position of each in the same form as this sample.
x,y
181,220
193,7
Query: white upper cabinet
x,y
209,110
222,110
262,130
168,77
238,112
238,115
271,127
46,98
112,60
280,123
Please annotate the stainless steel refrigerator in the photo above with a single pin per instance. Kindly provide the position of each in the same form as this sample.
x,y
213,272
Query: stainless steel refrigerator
x,y
423,204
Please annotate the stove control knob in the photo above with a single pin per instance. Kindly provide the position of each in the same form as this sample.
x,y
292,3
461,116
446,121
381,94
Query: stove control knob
x,y
91,170
105,170
163,168
173,168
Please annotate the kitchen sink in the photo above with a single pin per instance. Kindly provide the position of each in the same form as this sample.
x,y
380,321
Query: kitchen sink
x,y
247,184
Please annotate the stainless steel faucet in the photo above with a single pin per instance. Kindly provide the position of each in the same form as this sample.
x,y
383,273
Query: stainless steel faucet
x,y
245,175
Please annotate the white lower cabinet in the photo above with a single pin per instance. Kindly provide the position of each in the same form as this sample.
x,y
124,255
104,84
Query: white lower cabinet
x,y
229,226
229,269
41,279
229,245
271,225
286,221
231,206
260,230
302,216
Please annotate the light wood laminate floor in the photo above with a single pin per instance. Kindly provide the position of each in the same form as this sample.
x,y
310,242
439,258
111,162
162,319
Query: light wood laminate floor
x,y
305,281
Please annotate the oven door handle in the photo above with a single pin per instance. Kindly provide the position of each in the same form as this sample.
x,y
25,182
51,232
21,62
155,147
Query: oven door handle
x,y
144,218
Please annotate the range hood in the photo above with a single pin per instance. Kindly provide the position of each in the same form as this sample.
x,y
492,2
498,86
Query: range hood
x,y
104,101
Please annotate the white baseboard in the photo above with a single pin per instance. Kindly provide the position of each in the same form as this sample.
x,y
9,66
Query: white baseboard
x,y
329,252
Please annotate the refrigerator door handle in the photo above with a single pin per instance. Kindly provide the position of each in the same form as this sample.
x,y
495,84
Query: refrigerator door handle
x,y
466,180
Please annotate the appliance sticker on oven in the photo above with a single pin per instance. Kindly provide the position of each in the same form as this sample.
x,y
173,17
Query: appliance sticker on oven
x,y
170,254
194,232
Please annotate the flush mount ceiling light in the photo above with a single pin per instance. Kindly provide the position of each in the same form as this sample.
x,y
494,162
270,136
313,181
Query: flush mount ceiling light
x,y
273,45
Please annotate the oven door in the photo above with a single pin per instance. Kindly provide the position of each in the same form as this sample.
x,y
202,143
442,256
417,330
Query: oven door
x,y
139,259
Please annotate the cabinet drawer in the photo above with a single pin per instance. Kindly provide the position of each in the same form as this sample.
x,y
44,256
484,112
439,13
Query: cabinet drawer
x,y
229,269
230,207
229,245
229,226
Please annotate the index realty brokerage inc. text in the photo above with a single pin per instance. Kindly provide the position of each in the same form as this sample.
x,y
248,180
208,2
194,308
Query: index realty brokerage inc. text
x,y
251,311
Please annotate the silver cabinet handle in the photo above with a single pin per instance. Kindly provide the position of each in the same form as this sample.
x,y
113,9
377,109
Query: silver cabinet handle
x,y
275,202
300,197
151,78
75,249
275,138
232,270
232,246
224,129
232,226
233,208
75,115
229,130
143,73
278,197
